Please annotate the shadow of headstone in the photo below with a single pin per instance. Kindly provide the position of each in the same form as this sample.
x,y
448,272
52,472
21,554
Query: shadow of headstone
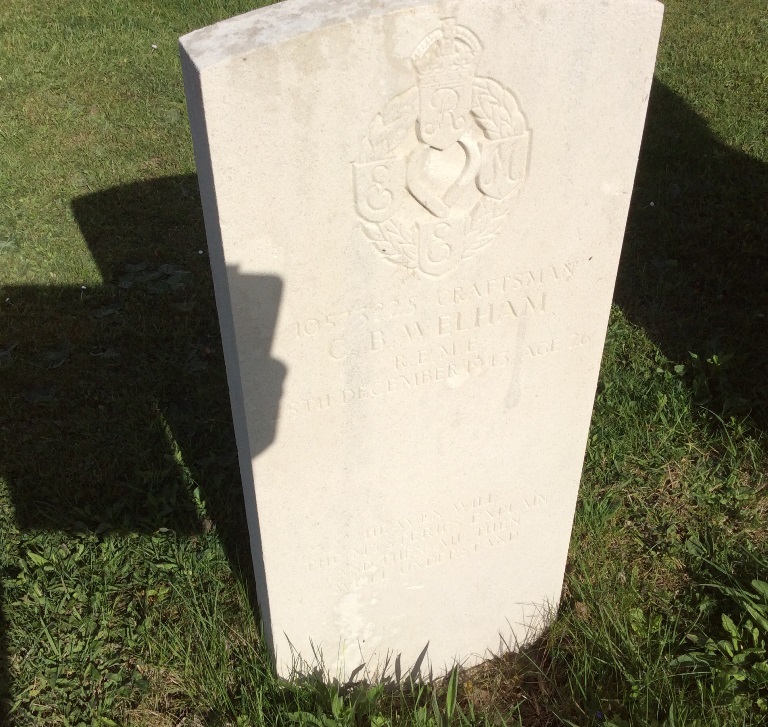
x,y
694,268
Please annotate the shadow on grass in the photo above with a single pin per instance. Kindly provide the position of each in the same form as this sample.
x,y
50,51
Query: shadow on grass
x,y
119,404
694,268
117,418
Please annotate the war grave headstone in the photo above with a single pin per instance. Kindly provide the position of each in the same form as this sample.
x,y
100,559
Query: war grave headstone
x,y
415,213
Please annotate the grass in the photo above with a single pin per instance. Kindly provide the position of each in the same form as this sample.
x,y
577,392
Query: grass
x,y
125,588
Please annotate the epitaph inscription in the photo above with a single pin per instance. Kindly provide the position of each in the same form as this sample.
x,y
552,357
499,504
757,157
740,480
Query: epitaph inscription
x,y
439,170
436,537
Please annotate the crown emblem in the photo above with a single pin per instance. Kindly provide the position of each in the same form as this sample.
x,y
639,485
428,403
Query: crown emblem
x,y
445,62
448,56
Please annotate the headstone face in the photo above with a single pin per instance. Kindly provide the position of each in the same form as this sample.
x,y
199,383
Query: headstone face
x,y
415,213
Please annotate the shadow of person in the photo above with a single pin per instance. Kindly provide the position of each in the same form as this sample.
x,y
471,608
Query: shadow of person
x,y
116,413
694,268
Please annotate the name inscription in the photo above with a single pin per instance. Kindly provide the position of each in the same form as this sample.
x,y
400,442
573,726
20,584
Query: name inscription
x,y
446,335
508,290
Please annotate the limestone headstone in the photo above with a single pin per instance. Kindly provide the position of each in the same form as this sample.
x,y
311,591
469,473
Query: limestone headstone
x,y
415,212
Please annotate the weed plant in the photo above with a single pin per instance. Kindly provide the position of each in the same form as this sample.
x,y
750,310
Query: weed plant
x,y
125,588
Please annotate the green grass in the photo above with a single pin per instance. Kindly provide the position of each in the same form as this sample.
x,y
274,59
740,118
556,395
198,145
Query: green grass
x,y
125,588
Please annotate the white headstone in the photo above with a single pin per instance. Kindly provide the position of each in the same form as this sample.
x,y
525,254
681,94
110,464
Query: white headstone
x,y
415,212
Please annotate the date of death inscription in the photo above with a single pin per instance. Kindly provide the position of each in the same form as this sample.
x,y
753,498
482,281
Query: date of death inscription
x,y
425,540
441,338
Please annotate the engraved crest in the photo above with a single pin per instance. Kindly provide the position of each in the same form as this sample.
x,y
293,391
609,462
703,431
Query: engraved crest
x,y
439,245
445,61
443,160
503,166
378,186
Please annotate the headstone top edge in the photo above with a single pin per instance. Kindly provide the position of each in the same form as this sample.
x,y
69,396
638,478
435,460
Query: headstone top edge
x,y
288,19
279,22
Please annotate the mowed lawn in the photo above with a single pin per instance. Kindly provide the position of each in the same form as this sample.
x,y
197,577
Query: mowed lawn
x,y
126,596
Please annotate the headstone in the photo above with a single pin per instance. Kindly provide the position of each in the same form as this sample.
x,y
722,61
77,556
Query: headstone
x,y
415,213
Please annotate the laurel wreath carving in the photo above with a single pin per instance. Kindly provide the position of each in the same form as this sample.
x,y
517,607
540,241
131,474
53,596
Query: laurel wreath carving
x,y
395,241
496,110
485,223
390,126
498,115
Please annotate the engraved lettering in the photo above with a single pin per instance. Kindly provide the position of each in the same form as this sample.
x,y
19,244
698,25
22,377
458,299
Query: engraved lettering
x,y
336,349
377,340
414,330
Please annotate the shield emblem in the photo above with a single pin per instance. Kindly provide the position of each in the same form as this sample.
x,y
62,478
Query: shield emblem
x,y
439,244
378,188
444,111
504,165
